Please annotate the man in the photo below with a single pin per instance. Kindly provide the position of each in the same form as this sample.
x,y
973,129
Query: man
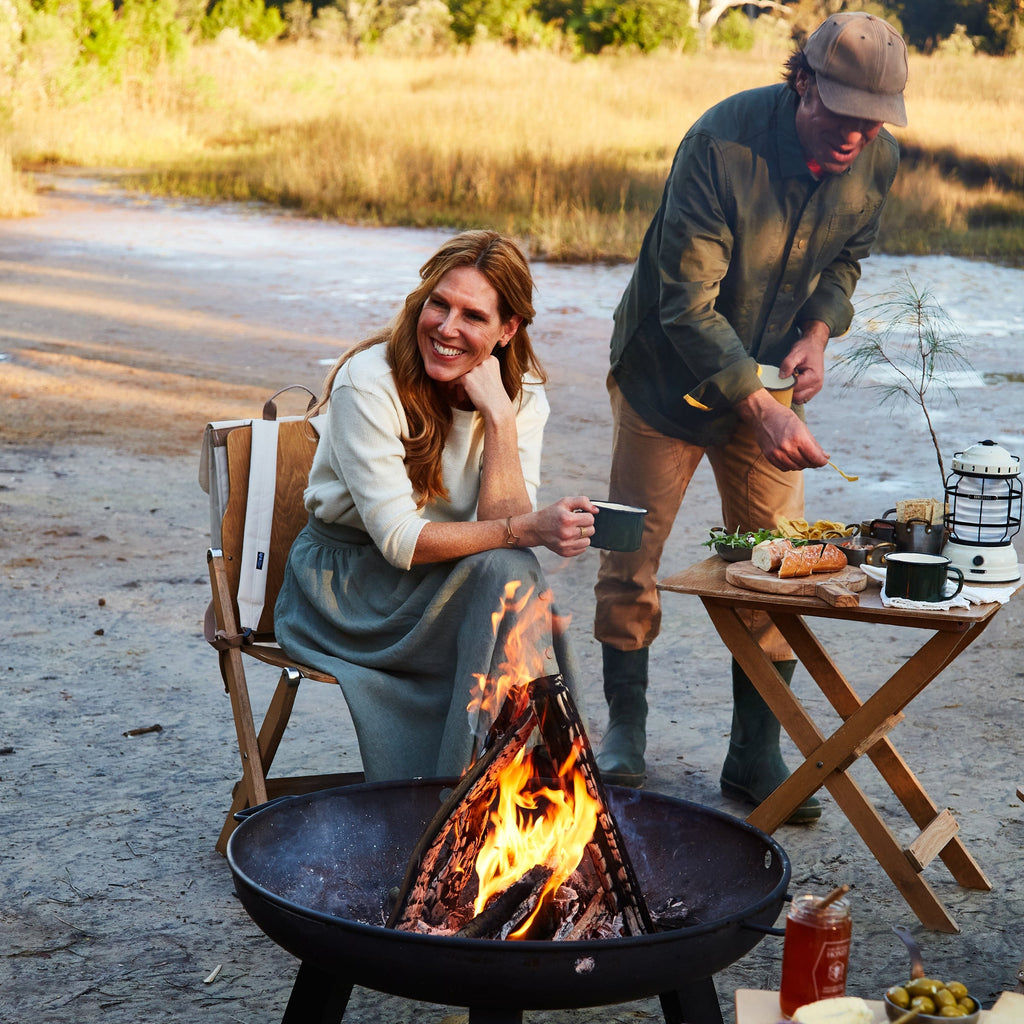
x,y
773,200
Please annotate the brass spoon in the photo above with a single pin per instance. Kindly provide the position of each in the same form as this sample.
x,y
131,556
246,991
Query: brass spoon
x,y
845,476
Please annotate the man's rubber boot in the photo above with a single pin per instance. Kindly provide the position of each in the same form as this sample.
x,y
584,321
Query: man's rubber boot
x,y
754,767
621,757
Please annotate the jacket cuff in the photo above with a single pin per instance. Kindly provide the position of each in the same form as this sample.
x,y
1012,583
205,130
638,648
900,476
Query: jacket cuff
x,y
727,387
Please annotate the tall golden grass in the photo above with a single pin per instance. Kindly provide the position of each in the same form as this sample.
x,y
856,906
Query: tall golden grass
x,y
568,154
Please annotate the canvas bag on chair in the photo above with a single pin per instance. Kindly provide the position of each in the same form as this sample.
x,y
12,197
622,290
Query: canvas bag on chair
x,y
259,510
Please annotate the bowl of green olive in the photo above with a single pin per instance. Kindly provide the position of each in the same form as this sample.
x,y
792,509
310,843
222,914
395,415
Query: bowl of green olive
x,y
935,1001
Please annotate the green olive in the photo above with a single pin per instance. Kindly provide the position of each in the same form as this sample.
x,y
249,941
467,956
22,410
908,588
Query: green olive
x,y
899,996
923,987
944,998
952,1011
923,1004
968,1004
958,988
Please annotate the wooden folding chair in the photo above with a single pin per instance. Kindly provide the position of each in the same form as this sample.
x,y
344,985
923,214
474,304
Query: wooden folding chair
x,y
296,444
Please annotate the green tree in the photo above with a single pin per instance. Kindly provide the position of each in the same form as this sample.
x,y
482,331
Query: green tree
x,y
643,24
251,18
153,31
1006,20
499,19
926,22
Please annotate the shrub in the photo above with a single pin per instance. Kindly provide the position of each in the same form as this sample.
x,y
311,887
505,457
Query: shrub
x,y
734,31
636,24
492,19
252,19
425,27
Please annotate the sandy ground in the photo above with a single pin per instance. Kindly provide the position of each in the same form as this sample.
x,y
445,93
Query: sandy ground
x,y
125,327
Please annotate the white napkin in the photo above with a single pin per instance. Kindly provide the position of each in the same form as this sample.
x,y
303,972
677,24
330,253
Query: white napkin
x,y
966,597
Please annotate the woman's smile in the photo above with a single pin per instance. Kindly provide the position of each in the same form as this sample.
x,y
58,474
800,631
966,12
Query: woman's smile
x,y
459,325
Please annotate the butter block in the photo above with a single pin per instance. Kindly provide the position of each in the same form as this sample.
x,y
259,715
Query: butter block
x,y
841,1010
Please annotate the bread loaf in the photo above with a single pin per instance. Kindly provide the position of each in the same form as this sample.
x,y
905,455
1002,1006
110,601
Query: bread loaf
x,y
768,554
830,559
798,562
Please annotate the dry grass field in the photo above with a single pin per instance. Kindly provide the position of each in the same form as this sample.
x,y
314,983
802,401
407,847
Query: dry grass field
x,y
569,154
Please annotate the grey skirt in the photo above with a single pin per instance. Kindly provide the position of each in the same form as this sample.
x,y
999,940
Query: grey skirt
x,y
409,646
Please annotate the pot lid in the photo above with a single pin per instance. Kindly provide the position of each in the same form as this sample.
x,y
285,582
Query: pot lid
x,y
986,458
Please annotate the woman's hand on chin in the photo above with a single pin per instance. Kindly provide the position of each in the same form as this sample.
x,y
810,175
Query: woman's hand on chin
x,y
483,387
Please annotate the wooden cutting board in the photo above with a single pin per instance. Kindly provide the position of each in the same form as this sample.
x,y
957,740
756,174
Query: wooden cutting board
x,y
838,589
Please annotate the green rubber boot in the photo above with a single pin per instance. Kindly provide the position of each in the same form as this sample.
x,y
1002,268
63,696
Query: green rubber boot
x,y
621,757
754,767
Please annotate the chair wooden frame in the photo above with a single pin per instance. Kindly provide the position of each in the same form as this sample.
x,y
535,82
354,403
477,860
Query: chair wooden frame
x,y
296,446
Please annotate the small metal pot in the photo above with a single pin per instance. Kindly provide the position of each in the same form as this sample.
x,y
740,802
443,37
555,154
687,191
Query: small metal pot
x,y
865,550
916,535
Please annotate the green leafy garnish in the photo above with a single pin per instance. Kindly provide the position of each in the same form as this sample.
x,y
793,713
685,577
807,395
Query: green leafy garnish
x,y
749,539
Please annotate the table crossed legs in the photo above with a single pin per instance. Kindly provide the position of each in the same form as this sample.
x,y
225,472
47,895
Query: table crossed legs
x,y
864,731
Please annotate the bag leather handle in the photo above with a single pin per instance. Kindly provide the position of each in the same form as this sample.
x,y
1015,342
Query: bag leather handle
x,y
270,406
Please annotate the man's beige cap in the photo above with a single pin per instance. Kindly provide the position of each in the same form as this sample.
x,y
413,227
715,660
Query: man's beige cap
x,y
860,66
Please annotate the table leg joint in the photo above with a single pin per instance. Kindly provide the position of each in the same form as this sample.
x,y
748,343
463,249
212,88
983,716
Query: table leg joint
x,y
932,840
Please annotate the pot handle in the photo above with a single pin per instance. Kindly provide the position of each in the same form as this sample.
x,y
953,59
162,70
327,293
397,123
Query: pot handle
x,y
765,929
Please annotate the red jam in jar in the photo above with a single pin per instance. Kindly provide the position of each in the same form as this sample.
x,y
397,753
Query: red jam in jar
x,y
815,953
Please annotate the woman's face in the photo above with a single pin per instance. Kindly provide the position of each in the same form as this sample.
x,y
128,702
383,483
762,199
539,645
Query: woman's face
x,y
459,325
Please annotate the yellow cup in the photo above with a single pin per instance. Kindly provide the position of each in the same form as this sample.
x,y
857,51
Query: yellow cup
x,y
780,387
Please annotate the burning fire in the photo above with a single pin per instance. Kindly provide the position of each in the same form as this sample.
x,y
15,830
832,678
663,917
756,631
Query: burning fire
x,y
531,824
524,659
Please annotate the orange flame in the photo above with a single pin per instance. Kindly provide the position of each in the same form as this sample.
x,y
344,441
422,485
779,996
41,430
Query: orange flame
x,y
534,825
528,637
531,824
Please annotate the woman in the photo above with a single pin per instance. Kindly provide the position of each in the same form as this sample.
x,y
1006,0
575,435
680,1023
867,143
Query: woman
x,y
421,499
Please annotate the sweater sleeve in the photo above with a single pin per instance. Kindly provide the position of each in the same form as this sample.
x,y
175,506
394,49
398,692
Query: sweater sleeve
x,y
530,423
364,454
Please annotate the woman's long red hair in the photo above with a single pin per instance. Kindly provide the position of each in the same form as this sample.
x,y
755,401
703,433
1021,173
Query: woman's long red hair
x,y
428,413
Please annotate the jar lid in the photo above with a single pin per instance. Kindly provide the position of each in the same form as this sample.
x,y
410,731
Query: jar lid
x,y
986,458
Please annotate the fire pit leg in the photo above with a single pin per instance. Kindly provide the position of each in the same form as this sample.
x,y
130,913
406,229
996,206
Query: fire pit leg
x,y
701,1004
317,998
481,1016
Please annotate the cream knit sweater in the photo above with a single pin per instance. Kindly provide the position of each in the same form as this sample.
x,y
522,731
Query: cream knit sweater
x,y
358,477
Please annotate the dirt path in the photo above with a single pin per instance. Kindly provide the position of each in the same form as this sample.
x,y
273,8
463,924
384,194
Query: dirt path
x,y
125,326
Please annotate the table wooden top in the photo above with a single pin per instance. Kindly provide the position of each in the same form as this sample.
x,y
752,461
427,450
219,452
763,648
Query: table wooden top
x,y
707,581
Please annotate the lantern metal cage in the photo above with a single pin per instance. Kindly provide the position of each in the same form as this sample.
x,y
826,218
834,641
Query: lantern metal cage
x,y
983,513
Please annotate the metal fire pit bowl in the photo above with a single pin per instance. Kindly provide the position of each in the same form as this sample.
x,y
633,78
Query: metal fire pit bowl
x,y
314,873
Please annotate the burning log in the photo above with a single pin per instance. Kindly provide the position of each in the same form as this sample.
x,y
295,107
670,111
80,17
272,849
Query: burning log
x,y
460,880
508,909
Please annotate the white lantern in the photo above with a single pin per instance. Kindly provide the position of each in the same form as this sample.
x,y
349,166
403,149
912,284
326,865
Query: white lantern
x,y
983,513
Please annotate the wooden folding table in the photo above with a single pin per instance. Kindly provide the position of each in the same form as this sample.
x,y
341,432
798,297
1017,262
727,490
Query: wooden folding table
x,y
866,724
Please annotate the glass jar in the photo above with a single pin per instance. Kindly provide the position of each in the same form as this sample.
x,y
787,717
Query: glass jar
x,y
815,952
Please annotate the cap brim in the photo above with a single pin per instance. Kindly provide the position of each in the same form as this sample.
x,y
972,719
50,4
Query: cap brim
x,y
850,102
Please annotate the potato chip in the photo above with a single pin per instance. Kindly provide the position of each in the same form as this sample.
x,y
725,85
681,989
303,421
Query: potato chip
x,y
820,529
